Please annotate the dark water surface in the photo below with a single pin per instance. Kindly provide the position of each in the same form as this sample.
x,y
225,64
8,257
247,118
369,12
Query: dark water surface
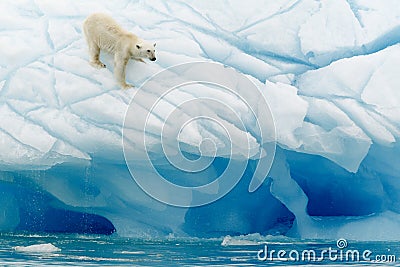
x,y
74,250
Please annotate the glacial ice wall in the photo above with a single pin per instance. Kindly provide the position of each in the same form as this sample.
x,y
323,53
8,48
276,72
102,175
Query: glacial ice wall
x,y
328,70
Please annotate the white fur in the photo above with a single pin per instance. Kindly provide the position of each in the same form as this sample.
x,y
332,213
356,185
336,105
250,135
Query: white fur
x,y
103,33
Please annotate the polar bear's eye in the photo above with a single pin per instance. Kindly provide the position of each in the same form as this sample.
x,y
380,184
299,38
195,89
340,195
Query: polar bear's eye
x,y
148,51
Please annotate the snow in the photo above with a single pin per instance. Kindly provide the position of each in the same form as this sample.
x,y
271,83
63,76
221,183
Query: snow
x,y
324,71
362,88
335,33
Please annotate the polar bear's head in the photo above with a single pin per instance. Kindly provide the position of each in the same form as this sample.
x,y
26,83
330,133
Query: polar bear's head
x,y
146,50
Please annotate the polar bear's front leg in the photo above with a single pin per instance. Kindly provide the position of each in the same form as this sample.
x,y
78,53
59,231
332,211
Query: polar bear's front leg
x,y
120,70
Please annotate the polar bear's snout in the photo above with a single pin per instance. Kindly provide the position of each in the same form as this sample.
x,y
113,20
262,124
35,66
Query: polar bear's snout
x,y
151,53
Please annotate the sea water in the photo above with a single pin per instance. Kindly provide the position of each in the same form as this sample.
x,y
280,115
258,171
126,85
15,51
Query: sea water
x,y
253,250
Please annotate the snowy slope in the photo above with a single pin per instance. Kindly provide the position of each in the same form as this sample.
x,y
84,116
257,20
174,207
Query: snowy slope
x,y
327,69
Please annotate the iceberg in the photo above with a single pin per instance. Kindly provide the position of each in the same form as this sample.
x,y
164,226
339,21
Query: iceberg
x,y
315,86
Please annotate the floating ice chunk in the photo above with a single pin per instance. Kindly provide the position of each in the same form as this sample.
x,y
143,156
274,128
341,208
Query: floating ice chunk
x,y
240,241
254,240
39,248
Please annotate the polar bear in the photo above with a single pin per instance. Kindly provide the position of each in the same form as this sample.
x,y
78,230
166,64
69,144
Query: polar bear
x,y
103,33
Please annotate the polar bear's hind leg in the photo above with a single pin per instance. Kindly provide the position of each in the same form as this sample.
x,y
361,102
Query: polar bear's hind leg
x,y
94,49
94,52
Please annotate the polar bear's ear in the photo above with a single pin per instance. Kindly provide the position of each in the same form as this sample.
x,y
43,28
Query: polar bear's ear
x,y
154,44
138,46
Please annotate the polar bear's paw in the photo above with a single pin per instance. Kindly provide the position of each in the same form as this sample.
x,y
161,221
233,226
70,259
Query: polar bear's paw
x,y
126,86
97,64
